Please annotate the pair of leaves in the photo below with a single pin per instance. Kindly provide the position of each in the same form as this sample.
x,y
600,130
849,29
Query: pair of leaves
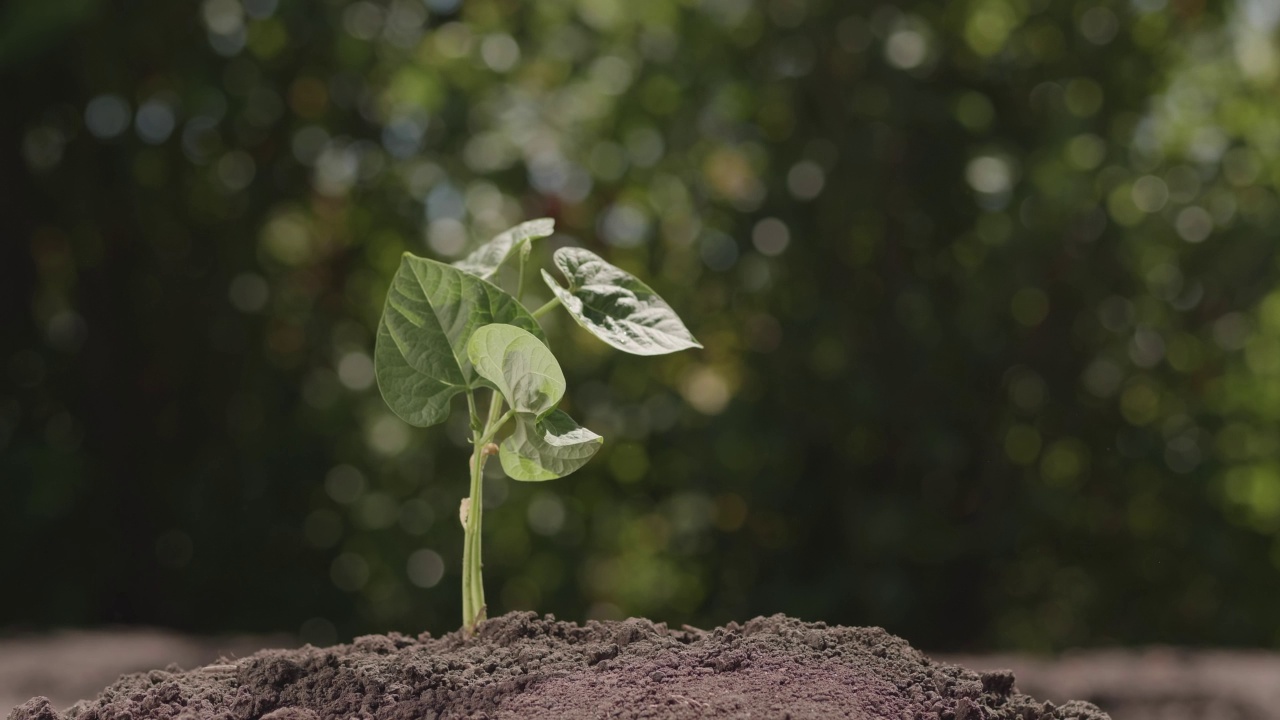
x,y
546,443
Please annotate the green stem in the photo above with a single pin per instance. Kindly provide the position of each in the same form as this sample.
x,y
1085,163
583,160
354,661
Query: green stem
x,y
468,524
546,308
475,417
495,406
472,583
495,426
473,605
524,254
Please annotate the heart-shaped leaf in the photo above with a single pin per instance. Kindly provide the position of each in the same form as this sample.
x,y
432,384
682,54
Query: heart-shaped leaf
x,y
519,366
420,356
418,398
548,448
616,307
486,259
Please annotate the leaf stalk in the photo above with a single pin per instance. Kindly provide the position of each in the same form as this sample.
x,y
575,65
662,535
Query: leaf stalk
x,y
551,304
524,255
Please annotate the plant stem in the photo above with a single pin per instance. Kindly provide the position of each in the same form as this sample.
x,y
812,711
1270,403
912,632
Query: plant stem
x,y
496,426
473,605
546,308
468,524
471,408
495,406
472,583
524,254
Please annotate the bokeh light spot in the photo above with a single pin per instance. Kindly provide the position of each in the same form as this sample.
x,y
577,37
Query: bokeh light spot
x,y
1099,25
1064,463
1194,224
1102,378
66,330
107,116
989,174
425,568
1022,444
546,513
719,251
1086,151
706,390
1030,306
355,370
806,179
224,17
249,292
1150,193
363,20
974,110
446,237
378,511
1140,403
1231,331
349,572
906,48
287,238
155,121
624,225
388,435
235,170
1083,97
344,483
770,236
500,52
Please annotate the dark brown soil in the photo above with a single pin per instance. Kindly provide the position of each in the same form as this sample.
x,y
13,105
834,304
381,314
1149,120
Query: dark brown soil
x,y
523,666
72,664
1154,683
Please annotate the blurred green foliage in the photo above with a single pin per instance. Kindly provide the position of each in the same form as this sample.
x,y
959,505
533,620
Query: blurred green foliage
x,y
988,290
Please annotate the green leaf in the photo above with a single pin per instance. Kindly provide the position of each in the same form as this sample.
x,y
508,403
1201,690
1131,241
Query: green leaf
x,y
486,259
616,307
548,448
519,366
420,356
418,398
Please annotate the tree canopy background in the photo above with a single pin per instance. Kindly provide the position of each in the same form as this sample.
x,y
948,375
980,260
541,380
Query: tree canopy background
x,y
988,290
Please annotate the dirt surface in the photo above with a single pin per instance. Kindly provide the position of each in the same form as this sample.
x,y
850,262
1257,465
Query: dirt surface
x,y
1155,683
69,665
523,666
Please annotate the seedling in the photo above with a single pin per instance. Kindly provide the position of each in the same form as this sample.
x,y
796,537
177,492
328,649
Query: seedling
x,y
449,329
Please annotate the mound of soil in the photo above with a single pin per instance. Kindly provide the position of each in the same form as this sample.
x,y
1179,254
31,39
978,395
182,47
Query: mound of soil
x,y
523,666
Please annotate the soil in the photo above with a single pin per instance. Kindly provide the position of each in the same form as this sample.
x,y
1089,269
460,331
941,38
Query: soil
x,y
523,666
1154,683
68,665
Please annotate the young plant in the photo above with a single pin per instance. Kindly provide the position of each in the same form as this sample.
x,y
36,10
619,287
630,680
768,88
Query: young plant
x,y
449,330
